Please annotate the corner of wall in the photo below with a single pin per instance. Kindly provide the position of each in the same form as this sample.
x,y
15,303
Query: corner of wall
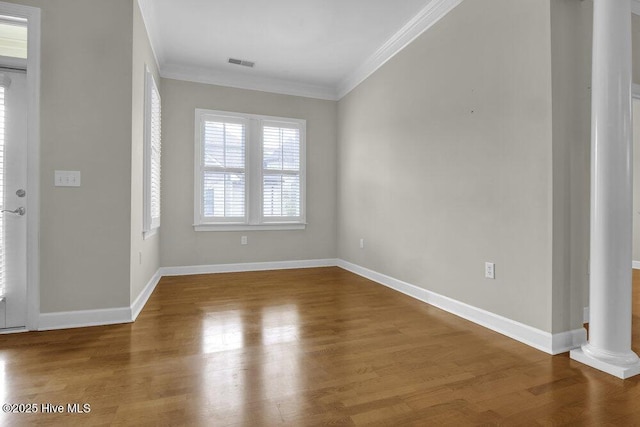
x,y
144,253
570,40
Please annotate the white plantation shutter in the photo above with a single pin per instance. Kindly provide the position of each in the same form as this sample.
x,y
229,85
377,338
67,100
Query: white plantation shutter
x,y
281,183
155,157
222,168
3,84
152,154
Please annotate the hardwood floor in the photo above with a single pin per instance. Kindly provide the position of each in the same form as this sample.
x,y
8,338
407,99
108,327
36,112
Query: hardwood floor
x,y
297,348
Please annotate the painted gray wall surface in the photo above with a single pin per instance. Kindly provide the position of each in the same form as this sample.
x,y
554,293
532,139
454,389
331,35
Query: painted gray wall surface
x,y
85,126
182,245
571,35
141,270
635,28
635,22
445,161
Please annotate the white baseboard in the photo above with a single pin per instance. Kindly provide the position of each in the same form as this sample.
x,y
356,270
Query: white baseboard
x,y
13,331
110,316
82,318
106,316
635,265
541,340
241,267
566,341
138,304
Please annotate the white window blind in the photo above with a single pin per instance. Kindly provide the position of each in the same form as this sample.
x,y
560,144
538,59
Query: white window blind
x,y
152,155
249,172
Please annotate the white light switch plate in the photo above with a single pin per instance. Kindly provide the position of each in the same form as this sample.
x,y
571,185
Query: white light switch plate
x,y
67,179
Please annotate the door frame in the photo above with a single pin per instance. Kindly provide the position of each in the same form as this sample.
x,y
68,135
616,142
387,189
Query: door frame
x,y
32,15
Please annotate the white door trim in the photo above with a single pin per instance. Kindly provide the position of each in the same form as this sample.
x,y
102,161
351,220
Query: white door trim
x,y
32,15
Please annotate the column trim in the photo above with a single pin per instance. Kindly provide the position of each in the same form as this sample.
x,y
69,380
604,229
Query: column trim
x,y
609,345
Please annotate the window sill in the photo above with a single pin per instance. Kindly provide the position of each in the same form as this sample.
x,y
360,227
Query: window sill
x,y
248,227
148,234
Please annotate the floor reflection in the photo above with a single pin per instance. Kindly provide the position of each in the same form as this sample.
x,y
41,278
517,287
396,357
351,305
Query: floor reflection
x,y
280,324
282,372
222,331
223,377
251,354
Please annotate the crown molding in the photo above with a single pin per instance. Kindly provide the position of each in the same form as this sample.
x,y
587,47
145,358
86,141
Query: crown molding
x,y
243,81
150,24
427,17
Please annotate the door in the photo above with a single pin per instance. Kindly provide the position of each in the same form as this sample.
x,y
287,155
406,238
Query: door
x,y
13,182
636,183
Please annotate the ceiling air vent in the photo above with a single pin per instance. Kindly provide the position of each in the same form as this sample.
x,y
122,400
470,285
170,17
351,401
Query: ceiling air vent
x,y
241,62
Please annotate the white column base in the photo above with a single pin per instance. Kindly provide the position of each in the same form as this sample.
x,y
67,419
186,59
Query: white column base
x,y
620,371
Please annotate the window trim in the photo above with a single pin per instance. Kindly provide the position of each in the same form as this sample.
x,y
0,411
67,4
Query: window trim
x,y
254,219
150,225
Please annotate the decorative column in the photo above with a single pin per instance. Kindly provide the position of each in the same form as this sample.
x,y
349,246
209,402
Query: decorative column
x,y
609,346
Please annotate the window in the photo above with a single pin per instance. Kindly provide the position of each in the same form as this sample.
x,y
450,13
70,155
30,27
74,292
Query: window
x,y
249,172
4,82
152,149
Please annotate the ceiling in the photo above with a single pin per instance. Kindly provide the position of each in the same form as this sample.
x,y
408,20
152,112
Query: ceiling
x,y
317,48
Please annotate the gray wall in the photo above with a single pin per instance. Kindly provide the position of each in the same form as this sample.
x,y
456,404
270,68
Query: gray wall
x,y
144,254
93,57
636,138
182,246
86,126
635,28
445,161
571,34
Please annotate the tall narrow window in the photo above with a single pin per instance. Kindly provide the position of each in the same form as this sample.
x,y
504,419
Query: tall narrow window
x,y
249,172
152,156
2,171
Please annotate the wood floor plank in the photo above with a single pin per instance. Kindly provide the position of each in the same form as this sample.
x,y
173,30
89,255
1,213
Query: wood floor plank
x,y
308,347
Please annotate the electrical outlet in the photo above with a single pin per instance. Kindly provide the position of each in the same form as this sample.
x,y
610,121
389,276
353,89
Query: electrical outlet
x,y
361,243
244,240
489,270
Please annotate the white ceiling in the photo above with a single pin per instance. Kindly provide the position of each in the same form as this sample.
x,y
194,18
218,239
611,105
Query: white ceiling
x,y
318,48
